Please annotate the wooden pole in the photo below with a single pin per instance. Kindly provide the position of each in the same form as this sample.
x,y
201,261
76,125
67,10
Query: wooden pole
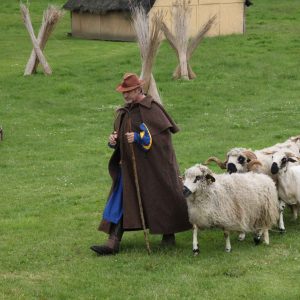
x,y
136,180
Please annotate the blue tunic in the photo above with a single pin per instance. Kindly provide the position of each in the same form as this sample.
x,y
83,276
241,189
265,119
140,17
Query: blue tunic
x,y
114,209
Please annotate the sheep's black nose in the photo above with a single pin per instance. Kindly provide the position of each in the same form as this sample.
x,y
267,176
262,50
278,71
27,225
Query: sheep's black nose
x,y
274,168
231,168
186,191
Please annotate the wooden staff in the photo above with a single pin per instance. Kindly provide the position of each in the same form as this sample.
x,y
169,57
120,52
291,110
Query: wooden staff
x,y
136,180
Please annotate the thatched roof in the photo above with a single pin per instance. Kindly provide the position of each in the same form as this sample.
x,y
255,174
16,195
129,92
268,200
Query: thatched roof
x,y
104,6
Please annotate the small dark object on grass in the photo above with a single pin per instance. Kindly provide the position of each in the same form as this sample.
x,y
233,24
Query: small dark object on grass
x,y
257,240
1,134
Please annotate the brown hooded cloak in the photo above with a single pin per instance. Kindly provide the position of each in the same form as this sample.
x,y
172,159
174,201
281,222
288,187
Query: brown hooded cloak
x,y
165,208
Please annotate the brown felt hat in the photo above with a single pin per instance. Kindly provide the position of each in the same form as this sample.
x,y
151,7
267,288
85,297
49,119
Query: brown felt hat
x,y
130,82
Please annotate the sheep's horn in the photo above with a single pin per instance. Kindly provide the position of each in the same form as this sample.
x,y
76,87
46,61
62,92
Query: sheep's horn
x,y
268,152
253,164
290,154
218,161
295,138
249,154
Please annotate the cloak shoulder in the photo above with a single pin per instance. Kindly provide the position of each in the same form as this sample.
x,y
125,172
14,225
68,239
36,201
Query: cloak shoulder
x,y
155,117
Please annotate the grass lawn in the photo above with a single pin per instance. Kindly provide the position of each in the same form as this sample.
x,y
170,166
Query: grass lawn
x,y
53,164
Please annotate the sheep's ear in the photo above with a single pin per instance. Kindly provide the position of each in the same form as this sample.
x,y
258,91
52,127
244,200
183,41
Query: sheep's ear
x,y
291,159
210,178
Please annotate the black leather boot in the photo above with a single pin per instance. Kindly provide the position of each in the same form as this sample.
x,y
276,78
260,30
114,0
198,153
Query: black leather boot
x,y
112,245
168,240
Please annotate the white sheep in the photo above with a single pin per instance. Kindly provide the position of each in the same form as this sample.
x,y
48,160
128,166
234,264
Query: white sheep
x,y
292,145
286,166
295,140
241,160
238,202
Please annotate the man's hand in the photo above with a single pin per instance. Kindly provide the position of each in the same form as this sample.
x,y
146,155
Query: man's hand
x,y
130,137
113,138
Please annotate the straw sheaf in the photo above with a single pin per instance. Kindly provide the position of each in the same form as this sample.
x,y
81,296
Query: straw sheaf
x,y
181,13
51,17
155,39
199,36
149,39
179,38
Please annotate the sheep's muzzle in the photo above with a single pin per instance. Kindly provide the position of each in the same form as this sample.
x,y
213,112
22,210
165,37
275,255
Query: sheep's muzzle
x,y
231,168
186,192
274,168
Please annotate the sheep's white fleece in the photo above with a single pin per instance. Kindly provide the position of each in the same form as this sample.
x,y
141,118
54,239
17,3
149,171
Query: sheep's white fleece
x,y
240,202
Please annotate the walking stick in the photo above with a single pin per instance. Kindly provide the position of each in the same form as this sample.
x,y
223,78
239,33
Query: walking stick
x,y
136,180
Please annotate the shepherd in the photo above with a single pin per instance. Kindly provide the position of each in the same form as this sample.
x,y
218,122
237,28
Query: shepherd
x,y
142,132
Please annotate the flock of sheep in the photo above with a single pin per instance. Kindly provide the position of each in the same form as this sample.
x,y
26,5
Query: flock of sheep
x,y
250,197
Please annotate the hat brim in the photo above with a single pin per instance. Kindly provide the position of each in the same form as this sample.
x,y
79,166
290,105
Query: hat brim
x,y
121,89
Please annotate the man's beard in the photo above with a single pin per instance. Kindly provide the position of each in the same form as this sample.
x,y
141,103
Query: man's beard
x,y
128,101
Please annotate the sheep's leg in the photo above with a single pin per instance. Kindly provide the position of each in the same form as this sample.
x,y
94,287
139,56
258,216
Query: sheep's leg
x,y
266,237
281,210
227,241
295,211
195,240
242,236
257,237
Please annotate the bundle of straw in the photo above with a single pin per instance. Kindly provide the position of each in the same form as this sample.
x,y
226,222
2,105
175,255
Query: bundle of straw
x,y
36,47
179,41
149,39
181,12
51,17
193,44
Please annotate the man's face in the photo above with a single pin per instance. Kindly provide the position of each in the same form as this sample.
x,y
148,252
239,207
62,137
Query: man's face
x,y
131,96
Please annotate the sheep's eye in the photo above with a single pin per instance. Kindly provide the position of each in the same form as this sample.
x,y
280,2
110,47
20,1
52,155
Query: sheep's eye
x,y
241,159
284,160
197,179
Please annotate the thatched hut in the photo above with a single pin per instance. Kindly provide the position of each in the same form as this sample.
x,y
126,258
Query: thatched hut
x,y
110,19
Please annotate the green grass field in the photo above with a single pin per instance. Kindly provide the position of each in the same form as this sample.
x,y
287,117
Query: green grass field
x,y
53,160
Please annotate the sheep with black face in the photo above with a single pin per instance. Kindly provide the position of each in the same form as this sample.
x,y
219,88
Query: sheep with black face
x,y
286,166
241,160
238,202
